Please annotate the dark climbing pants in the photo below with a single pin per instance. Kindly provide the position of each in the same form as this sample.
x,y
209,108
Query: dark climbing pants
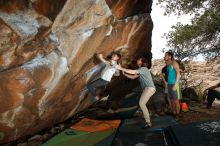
x,y
212,94
92,86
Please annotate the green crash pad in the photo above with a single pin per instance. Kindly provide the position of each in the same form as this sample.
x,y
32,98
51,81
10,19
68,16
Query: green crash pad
x,y
70,137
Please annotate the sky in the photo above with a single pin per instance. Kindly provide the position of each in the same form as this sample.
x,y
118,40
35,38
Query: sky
x,y
163,24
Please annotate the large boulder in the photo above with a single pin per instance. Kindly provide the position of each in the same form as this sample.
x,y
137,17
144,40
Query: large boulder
x,y
47,52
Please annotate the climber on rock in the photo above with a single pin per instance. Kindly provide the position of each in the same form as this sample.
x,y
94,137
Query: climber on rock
x,y
146,83
106,74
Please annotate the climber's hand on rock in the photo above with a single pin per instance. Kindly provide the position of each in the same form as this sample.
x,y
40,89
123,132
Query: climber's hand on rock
x,y
100,55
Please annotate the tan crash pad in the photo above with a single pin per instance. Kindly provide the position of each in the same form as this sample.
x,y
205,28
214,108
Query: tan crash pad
x,y
90,125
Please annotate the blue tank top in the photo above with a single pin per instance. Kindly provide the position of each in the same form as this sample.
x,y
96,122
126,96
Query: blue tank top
x,y
171,75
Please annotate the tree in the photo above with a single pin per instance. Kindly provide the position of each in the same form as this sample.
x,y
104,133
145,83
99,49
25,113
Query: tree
x,y
202,36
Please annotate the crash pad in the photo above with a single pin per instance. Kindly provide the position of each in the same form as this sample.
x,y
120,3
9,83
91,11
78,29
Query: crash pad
x,y
131,132
70,137
90,125
135,124
204,133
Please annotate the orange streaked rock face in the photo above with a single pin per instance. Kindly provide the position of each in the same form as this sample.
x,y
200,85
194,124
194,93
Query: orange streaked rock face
x,y
122,9
47,51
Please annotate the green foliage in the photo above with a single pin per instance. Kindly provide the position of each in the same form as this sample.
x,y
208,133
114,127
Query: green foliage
x,y
202,36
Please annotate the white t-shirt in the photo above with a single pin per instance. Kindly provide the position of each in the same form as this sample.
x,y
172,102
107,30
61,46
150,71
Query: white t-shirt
x,y
109,71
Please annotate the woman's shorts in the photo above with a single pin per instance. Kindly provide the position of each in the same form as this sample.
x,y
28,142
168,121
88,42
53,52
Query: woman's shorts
x,y
174,95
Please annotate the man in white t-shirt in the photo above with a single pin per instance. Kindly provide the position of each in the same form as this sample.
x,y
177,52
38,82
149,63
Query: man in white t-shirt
x,y
106,74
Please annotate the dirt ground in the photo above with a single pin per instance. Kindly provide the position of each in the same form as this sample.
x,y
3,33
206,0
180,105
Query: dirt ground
x,y
199,112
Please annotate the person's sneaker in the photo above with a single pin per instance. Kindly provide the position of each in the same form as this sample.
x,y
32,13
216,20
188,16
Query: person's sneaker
x,y
147,125
110,110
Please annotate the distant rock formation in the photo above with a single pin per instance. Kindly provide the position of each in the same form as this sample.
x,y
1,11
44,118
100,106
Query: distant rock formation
x,y
198,74
47,52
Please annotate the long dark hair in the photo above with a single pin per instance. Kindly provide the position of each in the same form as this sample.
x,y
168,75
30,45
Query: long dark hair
x,y
109,57
170,54
144,61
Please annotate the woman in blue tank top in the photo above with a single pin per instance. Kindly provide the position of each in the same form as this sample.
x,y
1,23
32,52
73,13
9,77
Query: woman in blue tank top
x,y
171,75
173,81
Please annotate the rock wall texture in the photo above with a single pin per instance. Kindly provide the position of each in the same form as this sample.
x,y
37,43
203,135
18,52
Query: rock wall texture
x,y
47,52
